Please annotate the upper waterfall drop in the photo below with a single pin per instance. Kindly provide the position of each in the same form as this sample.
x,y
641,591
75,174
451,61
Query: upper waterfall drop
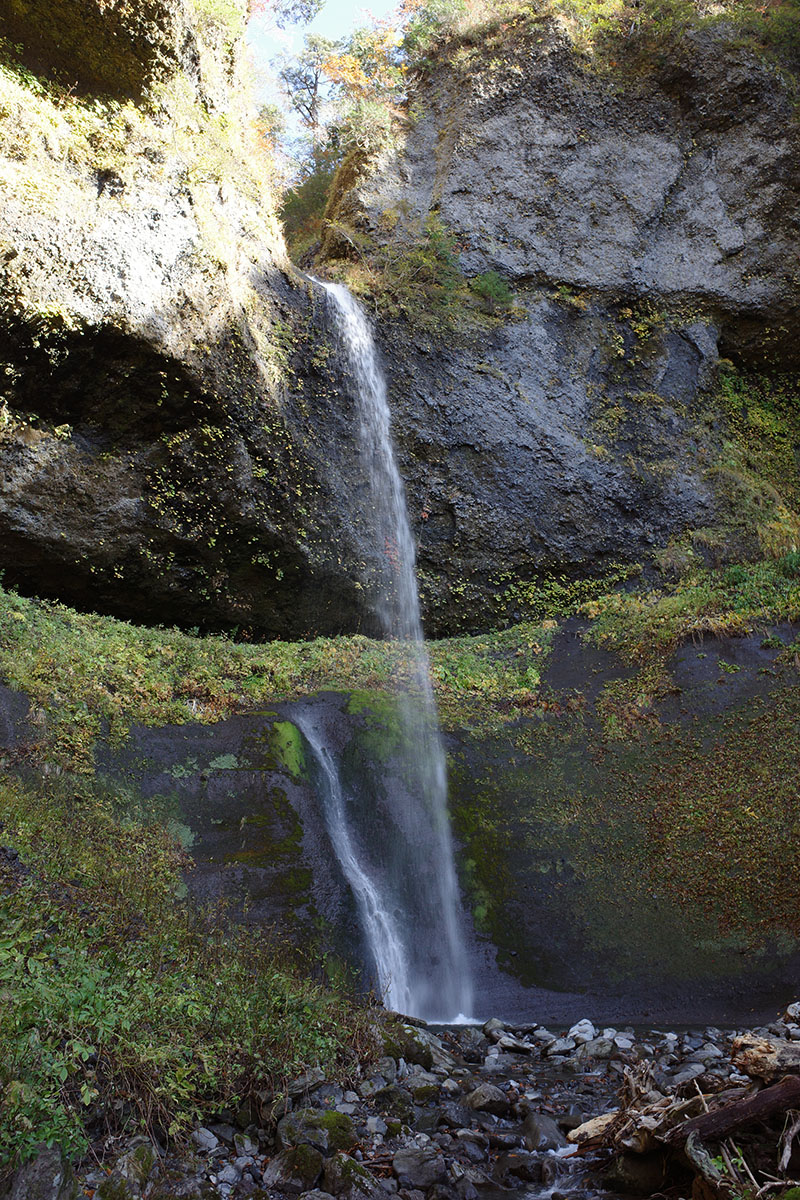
x,y
401,870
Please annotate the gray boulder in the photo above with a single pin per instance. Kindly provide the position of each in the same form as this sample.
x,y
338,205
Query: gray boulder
x,y
541,1133
418,1168
295,1170
324,1129
488,1098
343,1176
47,1176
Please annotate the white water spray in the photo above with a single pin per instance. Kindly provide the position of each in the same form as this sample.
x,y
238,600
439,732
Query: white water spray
x,y
402,870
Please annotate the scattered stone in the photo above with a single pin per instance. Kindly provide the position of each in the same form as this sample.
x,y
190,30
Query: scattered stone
x,y
540,1132
560,1046
582,1031
513,1045
205,1140
488,1098
244,1144
596,1048
305,1083
493,1028
418,1168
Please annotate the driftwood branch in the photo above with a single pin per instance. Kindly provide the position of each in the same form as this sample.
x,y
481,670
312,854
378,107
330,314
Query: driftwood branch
x,y
719,1123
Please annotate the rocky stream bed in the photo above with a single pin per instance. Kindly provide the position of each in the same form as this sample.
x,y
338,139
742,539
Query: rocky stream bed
x,y
468,1112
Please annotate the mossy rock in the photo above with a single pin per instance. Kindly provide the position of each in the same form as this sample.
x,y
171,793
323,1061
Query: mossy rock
x,y
424,1093
394,1101
404,1041
343,1176
325,1130
296,1169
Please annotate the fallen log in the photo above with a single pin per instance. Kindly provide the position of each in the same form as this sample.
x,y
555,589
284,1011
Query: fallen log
x,y
722,1121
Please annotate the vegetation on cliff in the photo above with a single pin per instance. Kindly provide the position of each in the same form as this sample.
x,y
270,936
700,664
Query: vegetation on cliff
x,y
123,1006
376,74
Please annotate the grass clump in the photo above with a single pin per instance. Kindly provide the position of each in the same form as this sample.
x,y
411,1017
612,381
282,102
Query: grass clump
x,y
732,601
88,674
122,1007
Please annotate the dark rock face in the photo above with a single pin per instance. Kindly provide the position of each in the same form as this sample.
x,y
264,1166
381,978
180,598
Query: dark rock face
x,y
176,440
181,492
541,453
645,224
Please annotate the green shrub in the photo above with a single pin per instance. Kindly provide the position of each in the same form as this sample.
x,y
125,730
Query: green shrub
x,y
123,1007
493,288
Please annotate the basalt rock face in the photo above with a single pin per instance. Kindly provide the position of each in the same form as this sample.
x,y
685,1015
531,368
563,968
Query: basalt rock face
x,y
174,444
645,218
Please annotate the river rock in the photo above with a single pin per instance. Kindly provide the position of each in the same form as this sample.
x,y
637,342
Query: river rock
x,y
394,1101
560,1046
582,1031
514,1045
305,1083
636,1174
48,1176
407,1042
418,1168
488,1098
423,1087
131,1174
343,1176
454,1115
493,1028
541,1133
596,1048
594,1127
765,1058
204,1139
295,1170
519,1165
325,1130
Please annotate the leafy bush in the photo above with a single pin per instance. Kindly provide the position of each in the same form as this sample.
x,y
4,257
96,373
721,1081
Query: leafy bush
x,y
121,1006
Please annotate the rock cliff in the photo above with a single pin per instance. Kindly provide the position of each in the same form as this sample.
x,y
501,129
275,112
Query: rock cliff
x,y
166,426
643,213
175,425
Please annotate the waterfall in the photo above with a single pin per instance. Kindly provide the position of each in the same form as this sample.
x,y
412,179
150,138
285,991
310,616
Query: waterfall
x,y
397,860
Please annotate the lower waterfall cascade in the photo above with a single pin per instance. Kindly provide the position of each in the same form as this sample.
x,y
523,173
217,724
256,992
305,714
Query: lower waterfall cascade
x,y
397,858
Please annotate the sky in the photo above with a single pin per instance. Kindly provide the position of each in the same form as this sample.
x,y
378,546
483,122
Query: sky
x,y
337,19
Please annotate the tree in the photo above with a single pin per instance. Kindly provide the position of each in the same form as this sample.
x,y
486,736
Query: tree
x,y
303,77
287,12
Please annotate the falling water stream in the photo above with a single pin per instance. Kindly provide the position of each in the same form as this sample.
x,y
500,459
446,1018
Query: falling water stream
x,y
397,857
